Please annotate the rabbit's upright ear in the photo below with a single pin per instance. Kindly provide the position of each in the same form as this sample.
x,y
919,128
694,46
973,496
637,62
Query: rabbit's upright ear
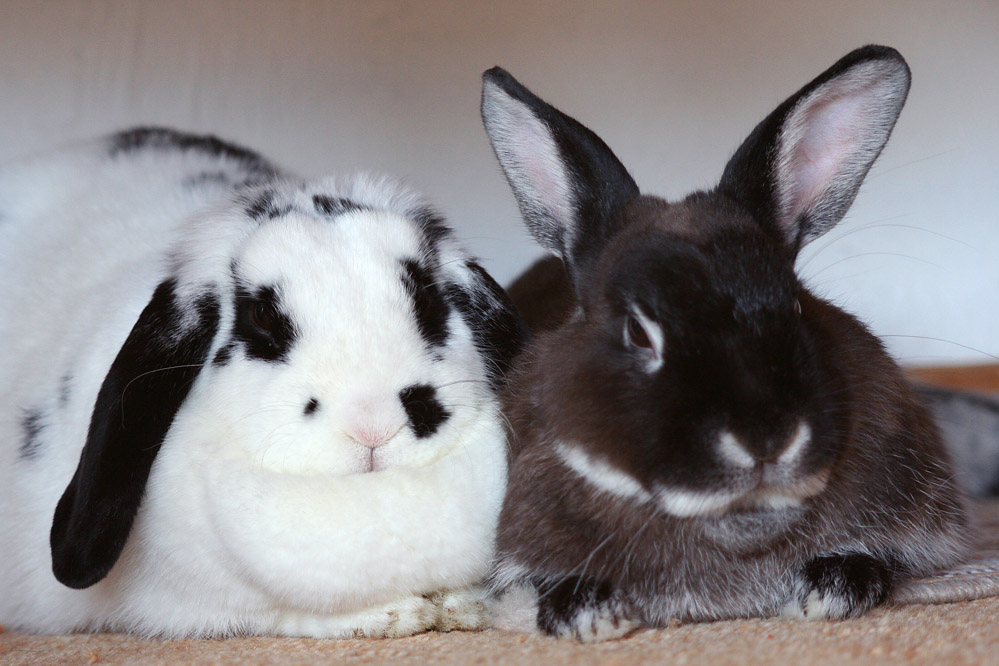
x,y
801,167
568,183
142,392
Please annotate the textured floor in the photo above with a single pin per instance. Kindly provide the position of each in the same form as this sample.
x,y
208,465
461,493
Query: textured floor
x,y
960,633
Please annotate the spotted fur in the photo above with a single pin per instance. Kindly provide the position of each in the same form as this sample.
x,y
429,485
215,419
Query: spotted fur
x,y
221,412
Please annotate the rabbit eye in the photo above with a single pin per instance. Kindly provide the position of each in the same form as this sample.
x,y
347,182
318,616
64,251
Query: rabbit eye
x,y
797,308
637,334
262,316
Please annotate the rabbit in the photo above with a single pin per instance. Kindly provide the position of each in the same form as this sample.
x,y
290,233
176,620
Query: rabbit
x,y
696,435
969,424
239,402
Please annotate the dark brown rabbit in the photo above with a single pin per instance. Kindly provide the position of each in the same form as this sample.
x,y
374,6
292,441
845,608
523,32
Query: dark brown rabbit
x,y
697,435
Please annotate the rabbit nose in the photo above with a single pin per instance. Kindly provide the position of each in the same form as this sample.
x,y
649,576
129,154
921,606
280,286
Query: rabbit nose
x,y
372,436
749,452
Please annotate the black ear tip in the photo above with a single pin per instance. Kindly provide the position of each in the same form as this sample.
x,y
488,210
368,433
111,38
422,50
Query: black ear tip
x,y
503,80
873,52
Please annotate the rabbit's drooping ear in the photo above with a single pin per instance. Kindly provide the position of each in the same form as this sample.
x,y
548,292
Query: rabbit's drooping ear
x,y
142,392
567,181
802,166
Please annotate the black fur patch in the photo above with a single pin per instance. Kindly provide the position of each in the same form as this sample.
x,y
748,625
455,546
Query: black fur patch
x,y
310,407
499,332
429,306
433,225
860,581
264,206
31,427
334,206
560,602
223,355
425,412
161,138
144,388
264,329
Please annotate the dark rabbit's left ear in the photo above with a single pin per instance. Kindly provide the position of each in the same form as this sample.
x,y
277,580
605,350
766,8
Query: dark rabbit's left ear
x,y
801,167
135,407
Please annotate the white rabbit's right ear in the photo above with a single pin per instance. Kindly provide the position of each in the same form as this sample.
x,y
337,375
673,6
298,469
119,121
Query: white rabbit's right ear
x,y
135,407
568,183
801,167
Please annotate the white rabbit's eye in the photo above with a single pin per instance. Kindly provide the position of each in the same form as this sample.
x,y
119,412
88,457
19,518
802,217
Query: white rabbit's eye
x,y
262,316
637,334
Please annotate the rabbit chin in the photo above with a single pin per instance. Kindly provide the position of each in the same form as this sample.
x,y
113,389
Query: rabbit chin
x,y
753,495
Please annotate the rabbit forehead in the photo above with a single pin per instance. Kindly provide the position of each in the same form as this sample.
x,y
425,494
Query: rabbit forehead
x,y
354,242
703,245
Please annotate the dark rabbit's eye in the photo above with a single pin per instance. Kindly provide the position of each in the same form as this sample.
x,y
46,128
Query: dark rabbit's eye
x,y
637,334
797,308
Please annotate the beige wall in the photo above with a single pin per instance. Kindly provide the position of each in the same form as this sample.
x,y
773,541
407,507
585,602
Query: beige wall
x,y
671,86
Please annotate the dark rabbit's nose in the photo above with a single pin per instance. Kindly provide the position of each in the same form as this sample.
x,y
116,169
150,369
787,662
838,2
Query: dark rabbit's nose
x,y
751,449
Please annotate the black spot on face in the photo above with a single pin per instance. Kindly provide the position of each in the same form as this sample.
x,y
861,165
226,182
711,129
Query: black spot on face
x,y
31,428
223,355
334,206
310,407
263,328
425,412
429,306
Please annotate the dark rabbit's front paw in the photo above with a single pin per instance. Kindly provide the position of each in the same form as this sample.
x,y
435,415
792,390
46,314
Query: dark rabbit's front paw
x,y
583,609
834,587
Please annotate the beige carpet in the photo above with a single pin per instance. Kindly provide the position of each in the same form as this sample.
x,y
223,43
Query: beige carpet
x,y
910,632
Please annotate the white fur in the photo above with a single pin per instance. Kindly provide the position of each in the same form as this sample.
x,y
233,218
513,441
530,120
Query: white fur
x,y
601,475
732,450
255,519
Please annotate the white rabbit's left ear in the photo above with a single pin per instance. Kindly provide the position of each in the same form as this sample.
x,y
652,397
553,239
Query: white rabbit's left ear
x,y
143,390
801,167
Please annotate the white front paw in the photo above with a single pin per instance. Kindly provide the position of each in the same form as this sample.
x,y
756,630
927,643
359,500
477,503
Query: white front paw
x,y
405,617
461,610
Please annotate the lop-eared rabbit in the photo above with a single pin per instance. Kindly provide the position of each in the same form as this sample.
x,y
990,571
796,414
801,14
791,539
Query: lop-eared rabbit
x,y
236,401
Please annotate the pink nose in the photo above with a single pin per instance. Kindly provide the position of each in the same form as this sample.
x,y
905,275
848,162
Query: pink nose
x,y
370,437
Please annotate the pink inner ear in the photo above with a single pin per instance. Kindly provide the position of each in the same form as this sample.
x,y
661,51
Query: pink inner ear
x,y
826,137
531,159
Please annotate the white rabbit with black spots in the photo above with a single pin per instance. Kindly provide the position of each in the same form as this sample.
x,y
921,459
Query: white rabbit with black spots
x,y
235,401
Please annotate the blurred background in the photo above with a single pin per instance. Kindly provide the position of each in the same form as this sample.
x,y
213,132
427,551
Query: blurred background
x,y
672,87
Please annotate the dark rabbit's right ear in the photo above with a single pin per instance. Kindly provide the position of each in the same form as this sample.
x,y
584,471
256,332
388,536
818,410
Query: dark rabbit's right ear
x,y
568,183
135,407
800,169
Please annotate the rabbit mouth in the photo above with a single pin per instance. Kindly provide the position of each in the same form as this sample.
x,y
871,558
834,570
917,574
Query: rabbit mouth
x,y
766,490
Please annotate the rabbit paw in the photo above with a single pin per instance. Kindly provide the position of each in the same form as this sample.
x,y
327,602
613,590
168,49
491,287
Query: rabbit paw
x,y
401,618
461,610
834,587
586,610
